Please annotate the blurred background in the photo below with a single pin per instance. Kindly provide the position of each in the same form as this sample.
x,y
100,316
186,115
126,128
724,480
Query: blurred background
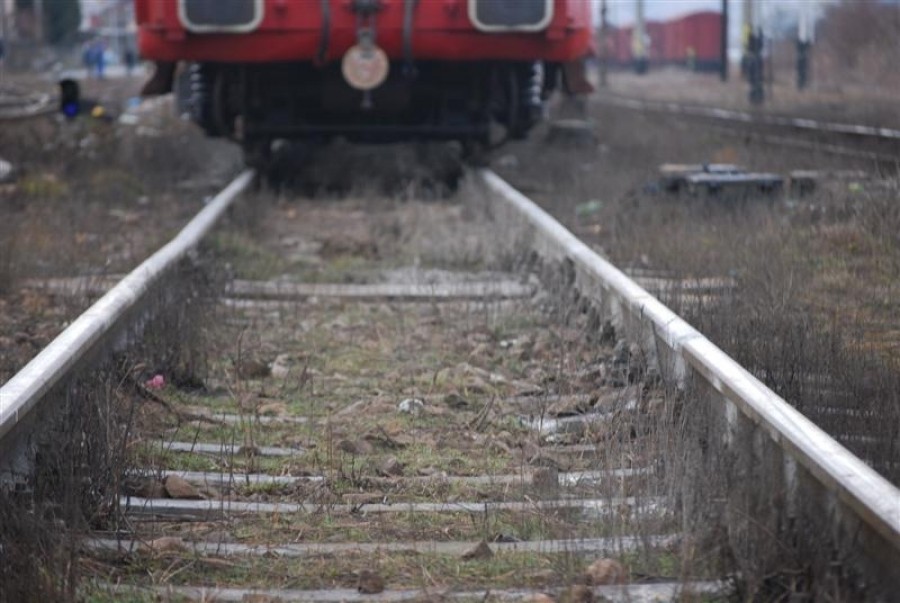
x,y
849,42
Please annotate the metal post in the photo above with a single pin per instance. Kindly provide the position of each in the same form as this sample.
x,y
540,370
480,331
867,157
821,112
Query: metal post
x,y
804,45
604,44
39,21
639,40
120,32
3,20
755,67
723,74
747,31
4,37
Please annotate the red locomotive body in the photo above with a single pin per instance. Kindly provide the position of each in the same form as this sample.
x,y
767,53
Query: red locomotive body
x,y
365,69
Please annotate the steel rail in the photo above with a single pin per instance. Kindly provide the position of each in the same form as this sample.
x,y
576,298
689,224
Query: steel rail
x,y
730,115
870,498
22,106
23,392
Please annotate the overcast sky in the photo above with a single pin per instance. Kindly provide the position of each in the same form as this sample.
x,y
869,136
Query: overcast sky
x,y
621,12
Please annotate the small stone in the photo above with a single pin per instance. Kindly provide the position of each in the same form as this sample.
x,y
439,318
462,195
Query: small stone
x,y
508,161
391,467
548,459
381,439
573,133
411,406
7,172
455,401
355,447
150,488
282,366
253,368
578,593
209,492
166,544
249,450
363,498
272,408
621,353
605,571
480,552
178,487
369,582
260,598
545,482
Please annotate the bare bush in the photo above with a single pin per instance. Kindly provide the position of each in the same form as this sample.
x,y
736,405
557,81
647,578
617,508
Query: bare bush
x,y
857,43
78,451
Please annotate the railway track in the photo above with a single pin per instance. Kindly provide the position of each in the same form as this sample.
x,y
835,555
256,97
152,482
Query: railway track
x,y
17,104
371,429
877,144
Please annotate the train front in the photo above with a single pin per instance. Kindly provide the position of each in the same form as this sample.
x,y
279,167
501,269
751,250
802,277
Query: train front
x,y
366,70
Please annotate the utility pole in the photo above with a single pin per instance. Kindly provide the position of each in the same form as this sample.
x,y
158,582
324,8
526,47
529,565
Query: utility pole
x,y
639,39
4,38
39,21
747,31
4,26
752,63
604,45
723,74
804,45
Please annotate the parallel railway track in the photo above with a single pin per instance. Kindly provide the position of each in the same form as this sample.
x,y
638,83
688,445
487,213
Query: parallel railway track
x,y
439,435
17,104
858,141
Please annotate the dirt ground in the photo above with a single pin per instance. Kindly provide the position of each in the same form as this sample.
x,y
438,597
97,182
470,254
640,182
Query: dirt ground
x,y
813,273
91,197
854,104
94,198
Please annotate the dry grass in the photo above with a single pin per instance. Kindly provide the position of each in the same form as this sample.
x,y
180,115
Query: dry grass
x,y
812,311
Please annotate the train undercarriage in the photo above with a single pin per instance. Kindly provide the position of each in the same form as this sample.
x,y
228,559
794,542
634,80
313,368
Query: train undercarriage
x,y
478,104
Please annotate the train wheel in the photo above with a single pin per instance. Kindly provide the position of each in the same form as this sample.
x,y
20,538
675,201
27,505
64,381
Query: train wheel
x,y
476,153
258,154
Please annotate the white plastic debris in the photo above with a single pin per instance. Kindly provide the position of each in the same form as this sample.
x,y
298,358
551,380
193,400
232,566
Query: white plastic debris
x,y
411,406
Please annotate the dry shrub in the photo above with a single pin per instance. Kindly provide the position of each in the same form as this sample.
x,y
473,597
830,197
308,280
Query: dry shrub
x,y
9,241
78,451
857,43
824,369
800,269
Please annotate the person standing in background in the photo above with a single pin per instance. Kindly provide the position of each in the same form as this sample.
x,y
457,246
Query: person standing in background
x,y
100,58
130,59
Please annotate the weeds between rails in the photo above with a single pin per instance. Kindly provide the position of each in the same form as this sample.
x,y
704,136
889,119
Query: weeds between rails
x,y
80,447
812,308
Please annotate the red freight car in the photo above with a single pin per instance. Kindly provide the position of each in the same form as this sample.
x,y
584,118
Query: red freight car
x,y
365,69
693,41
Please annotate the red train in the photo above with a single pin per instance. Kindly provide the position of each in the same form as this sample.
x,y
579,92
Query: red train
x,y
370,70
693,41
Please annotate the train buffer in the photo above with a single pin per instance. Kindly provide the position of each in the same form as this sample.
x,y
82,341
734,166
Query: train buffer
x,y
717,178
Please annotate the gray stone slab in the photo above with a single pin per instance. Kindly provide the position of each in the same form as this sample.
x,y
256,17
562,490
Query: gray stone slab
x,y
191,510
626,593
230,549
229,449
502,289
572,478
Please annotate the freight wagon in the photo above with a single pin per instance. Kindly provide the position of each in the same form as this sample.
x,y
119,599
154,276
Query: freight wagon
x,y
693,41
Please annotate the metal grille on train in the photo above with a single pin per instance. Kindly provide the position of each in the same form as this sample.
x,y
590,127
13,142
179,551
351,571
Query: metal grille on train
x,y
511,14
219,14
